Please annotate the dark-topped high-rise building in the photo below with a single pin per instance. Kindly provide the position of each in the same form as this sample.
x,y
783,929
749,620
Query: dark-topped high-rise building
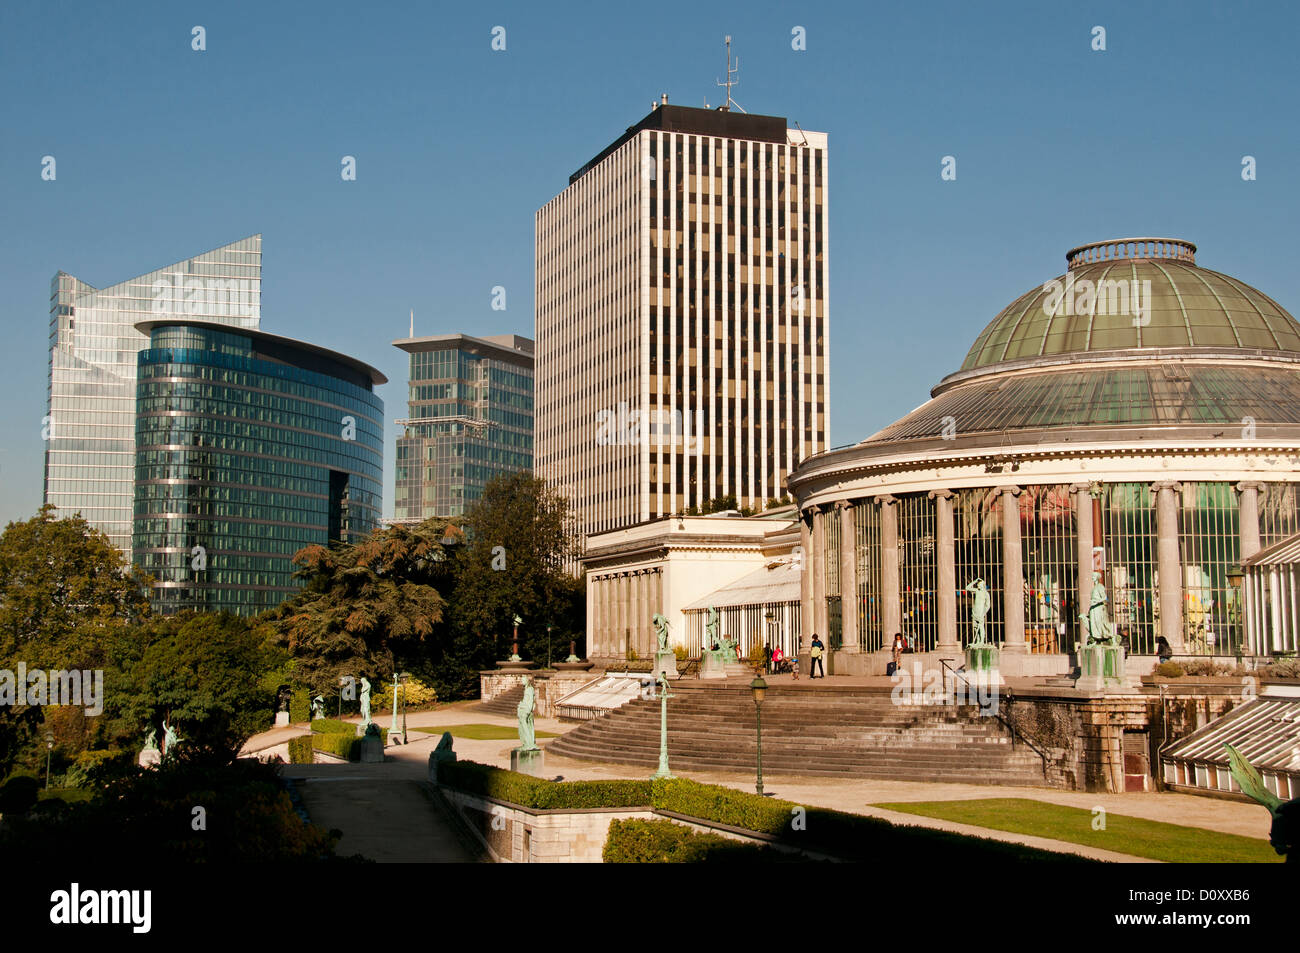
x,y
681,314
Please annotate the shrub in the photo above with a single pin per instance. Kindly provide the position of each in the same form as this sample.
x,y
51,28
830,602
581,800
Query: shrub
x,y
96,768
527,791
19,794
300,749
346,746
1282,668
1169,670
333,726
418,695
680,652
634,841
299,706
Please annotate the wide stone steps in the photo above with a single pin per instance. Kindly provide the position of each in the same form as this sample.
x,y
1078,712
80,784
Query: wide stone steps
x,y
503,704
819,732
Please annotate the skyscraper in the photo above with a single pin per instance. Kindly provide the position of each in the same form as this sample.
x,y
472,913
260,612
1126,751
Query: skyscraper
x,y
249,446
90,422
681,295
469,419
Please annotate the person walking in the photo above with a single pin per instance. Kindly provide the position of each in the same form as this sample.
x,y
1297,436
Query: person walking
x,y
767,658
816,653
1163,650
899,647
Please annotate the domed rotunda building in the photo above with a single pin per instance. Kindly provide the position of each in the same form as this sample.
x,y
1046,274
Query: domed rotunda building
x,y
1138,415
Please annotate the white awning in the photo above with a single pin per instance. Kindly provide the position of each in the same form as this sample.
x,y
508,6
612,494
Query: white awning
x,y
778,584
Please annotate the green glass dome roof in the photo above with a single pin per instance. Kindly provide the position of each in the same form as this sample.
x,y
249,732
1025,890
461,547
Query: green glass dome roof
x,y
1134,293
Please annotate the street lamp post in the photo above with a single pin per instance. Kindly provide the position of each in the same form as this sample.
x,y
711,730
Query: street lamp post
x,y
49,750
663,728
759,689
549,627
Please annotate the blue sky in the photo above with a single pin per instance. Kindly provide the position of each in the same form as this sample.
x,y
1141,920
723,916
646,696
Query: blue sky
x,y
164,152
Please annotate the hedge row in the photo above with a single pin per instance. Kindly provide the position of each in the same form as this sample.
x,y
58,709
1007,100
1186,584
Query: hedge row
x,y
333,726
635,841
300,750
347,747
846,836
538,794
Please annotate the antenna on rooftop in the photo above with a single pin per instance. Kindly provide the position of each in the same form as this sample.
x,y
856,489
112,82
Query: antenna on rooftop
x,y
412,322
731,82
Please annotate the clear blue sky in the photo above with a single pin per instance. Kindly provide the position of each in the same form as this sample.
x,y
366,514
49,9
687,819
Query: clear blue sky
x,y
164,152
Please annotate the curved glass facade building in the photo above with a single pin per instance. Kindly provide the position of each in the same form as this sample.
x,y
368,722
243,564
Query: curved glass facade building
x,y
248,447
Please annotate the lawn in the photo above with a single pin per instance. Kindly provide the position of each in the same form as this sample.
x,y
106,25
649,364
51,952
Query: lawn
x,y
1155,840
482,732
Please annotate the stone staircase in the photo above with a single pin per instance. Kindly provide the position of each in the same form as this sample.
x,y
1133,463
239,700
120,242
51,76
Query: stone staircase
x,y
825,731
503,704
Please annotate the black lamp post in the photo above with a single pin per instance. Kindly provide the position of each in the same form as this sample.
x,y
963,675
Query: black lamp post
x,y
759,688
549,627
49,750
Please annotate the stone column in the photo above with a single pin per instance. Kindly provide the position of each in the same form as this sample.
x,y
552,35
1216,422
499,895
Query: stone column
x,y
1013,574
889,600
821,623
657,594
848,577
621,640
1169,564
1083,541
1248,516
638,612
806,621
945,575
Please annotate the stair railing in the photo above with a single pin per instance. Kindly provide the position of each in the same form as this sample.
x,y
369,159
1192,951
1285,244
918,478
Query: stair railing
x,y
1008,699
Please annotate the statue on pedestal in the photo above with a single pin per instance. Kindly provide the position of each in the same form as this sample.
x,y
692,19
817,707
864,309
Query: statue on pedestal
x,y
524,712
318,707
170,740
1097,618
978,611
150,756
711,630
365,701
1284,834
661,631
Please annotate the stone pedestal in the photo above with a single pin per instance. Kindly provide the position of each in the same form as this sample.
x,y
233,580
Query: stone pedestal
x,y
665,662
528,762
150,758
1100,667
981,658
281,719
372,749
712,666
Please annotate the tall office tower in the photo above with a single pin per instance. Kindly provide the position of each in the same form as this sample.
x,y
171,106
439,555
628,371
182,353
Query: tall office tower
x,y
469,419
94,344
681,297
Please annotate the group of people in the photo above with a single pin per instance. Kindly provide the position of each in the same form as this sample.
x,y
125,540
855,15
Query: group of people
x,y
776,661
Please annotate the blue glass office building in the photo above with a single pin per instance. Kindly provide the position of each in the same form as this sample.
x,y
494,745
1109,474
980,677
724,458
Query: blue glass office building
x,y
248,447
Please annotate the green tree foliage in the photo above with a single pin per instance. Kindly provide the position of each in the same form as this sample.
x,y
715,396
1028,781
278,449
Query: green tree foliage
x,y
211,675
364,606
527,525
66,595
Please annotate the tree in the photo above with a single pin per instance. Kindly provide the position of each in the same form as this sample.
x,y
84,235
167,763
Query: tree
x,y
210,675
66,595
517,562
364,607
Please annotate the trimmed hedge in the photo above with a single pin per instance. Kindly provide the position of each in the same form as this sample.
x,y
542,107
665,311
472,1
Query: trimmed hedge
x,y
539,794
634,841
835,833
849,836
19,794
299,706
300,750
345,746
333,726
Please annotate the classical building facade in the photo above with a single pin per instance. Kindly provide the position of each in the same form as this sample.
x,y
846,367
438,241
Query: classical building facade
x,y
682,304
469,418
94,342
1138,416
248,447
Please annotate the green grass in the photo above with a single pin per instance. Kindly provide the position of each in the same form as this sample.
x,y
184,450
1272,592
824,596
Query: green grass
x,y
71,795
482,732
1136,836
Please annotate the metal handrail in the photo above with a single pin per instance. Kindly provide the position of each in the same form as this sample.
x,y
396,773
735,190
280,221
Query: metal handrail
x,y
998,715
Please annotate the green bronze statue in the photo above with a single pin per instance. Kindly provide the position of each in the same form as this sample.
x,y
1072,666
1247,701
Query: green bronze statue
x,y
524,712
1285,831
1099,627
661,631
978,611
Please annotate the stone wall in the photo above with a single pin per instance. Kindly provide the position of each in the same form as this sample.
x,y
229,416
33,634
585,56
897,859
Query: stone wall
x,y
549,686
521,835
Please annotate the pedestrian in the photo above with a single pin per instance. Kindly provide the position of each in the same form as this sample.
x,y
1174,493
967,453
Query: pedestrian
x,y
1163,650
899,647
777,658
816,653
767,658
794,666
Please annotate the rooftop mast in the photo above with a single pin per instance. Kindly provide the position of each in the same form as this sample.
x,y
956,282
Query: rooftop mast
x,y
730,82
